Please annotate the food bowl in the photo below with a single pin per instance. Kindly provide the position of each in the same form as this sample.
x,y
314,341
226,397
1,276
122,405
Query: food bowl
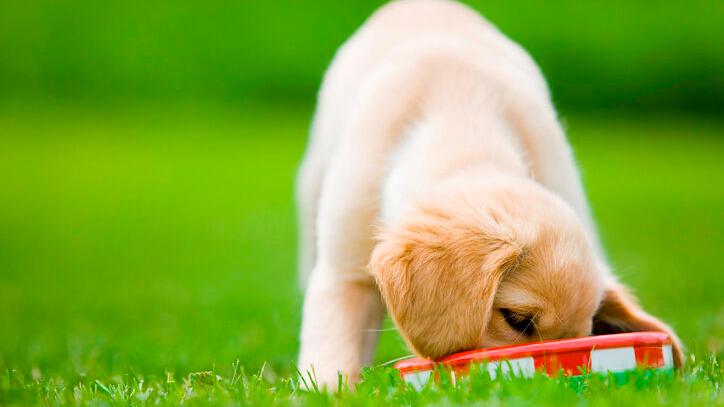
x,y
616,353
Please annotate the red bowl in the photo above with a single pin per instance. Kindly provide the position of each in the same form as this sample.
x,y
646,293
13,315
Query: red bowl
x,y
574,357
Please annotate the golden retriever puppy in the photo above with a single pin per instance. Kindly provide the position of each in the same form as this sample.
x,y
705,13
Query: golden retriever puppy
x,y
438,182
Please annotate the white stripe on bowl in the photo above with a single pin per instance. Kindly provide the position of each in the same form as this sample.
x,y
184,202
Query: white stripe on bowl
x,y
668,356
613,360
521,367
418,379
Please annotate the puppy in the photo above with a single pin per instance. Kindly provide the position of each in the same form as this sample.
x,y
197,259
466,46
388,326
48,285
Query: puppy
x,y
438,182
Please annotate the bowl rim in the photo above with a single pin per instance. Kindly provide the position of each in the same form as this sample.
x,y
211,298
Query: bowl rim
x,y
545,348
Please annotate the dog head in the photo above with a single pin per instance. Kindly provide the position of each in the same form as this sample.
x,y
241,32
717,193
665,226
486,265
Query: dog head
x,y
496,264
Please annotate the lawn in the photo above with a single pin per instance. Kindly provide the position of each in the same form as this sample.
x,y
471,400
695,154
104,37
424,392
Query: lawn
x,y
147,255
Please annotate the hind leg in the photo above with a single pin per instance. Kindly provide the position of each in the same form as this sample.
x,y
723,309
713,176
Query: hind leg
x,y
308,189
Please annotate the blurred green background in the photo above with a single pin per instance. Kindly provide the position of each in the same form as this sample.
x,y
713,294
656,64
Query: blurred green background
x,y
668,54
148,149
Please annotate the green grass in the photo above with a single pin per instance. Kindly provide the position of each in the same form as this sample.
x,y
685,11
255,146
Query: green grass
x,y
379,387
141,246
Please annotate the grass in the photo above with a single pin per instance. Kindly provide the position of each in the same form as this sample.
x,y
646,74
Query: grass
x,y
147,256
379,387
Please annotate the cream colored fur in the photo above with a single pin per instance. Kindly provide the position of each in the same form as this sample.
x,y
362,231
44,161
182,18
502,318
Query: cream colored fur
x,y
439,182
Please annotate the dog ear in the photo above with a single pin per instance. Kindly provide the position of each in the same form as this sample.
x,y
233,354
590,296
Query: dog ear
x,y
439,283
619,312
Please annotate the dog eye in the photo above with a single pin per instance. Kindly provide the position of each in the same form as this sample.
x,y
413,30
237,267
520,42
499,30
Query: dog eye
x,y
522,323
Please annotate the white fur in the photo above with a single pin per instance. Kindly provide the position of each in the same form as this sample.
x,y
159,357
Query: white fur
x,y
424,89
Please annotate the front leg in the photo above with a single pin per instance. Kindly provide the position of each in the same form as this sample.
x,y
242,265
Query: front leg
x,y
340,328
343,309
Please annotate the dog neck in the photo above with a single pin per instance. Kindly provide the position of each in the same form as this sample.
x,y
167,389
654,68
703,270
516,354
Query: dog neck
x,y
442,147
